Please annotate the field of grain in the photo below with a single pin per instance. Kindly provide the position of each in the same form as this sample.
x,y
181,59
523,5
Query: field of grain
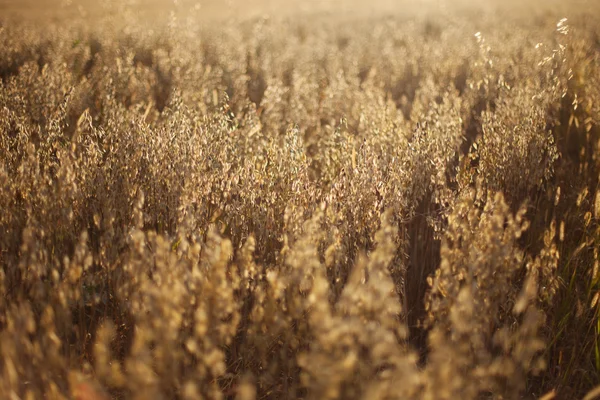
x,y
299,200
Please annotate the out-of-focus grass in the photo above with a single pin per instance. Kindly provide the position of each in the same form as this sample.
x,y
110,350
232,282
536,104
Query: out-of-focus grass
x,y
320,200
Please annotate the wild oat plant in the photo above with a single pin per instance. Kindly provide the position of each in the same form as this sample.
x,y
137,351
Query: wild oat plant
x,y
312,207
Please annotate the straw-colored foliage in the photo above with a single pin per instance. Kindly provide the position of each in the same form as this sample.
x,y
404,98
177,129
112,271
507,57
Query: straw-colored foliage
x,y
301,207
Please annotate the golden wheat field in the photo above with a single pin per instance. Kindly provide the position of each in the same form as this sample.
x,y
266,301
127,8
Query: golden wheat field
x,y
299,200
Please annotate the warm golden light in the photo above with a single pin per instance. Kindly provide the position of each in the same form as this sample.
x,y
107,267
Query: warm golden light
x,y
319,200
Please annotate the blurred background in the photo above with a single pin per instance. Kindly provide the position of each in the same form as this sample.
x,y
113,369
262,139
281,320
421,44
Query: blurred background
x,y
163,10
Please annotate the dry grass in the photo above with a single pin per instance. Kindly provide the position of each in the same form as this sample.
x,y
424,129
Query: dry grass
x,y
314,206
